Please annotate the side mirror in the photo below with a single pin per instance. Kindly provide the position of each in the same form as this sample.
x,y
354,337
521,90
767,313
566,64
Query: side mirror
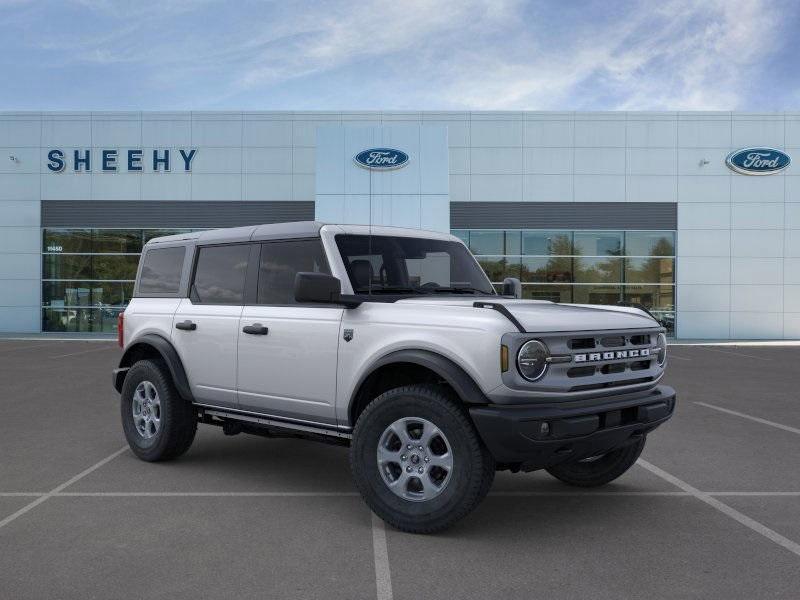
x,y
512,287
317,287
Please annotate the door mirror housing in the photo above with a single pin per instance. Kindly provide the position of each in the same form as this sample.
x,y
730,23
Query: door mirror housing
x,y
320,288
512,287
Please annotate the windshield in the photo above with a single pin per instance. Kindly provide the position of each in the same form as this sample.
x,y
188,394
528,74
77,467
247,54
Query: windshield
x,y
403,265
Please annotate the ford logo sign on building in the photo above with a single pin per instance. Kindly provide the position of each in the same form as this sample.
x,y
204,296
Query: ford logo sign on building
x,y
381,158
758,161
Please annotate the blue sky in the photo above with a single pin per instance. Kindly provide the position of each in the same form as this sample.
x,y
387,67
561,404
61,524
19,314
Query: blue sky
x,y
436,54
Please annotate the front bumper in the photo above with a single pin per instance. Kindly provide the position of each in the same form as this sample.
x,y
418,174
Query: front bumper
x,y
537,436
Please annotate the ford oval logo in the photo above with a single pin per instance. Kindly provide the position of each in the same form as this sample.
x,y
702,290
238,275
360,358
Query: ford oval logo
x,y
758,161
381,158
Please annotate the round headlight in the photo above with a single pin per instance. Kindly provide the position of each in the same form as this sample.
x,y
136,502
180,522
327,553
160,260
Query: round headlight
x,y
661,349
532,360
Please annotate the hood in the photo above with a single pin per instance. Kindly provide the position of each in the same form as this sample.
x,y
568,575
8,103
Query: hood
x,y
545,317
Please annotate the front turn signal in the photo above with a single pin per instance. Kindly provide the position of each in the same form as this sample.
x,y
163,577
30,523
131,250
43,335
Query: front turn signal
x,y
503,358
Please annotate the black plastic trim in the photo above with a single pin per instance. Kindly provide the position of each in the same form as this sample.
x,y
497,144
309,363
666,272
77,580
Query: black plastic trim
x,y
455,376
167,352
513,434
503,310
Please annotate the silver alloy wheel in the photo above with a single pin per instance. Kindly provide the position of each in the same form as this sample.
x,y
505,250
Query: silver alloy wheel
x,y
146,410
415,459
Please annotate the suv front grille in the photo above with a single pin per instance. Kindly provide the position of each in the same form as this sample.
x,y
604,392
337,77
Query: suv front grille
x,y
606,359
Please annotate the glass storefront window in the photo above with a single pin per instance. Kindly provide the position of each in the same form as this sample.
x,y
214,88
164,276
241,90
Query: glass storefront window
x,y
598,270
88,275
650,270
117,240
597,294
598,243
592,267
547,243
67,240
557,269
649,243
552,293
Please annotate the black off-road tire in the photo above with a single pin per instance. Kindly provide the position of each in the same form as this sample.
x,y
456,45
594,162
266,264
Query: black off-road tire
x,y
473,467
178,418
600,471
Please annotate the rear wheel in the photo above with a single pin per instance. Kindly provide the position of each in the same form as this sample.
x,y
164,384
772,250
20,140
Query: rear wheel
x,y
417,459
158,423
601,469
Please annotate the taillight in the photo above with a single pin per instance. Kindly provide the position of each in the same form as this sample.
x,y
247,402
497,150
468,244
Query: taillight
x,y
121,329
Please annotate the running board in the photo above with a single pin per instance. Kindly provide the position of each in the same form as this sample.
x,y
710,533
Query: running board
x,y
271,421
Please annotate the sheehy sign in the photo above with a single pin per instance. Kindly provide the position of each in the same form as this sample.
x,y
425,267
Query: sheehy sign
x,y
134,160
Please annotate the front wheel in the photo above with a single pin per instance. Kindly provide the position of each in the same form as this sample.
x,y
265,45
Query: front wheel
x,y
417,459
601,469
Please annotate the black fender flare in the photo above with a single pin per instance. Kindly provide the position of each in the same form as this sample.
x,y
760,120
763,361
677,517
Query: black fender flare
x,y
458,379
167,352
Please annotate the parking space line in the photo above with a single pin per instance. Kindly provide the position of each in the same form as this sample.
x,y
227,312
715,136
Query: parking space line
x,y
81,352
672,355
207,494
740,354
751,418
383,577
734,514
61,487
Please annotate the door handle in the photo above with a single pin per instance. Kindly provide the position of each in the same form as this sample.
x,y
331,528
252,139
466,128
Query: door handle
x,y
255,329
186,326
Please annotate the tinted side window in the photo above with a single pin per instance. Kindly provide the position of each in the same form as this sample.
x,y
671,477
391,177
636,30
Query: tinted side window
x,y
161,271
281,261
220,274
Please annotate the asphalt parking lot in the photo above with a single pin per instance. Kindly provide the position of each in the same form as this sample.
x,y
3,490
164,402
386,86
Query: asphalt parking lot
x,y
711,511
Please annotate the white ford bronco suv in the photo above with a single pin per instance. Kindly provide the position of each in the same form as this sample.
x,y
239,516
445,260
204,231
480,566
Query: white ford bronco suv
x,y
394,342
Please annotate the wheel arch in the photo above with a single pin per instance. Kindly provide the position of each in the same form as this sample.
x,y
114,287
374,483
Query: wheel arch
x,y
402,367
152,345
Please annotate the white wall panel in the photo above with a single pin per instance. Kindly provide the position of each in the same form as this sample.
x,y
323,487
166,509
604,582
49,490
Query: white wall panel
x,y
651,188
704,270
268,160
704,134
166,133
18,319
767,298
115,186
692,161
216,187
703,325
704,242
218,133
652,161
599,188
19,292
496,161
545,133
758,189
267,133
756,243
166,186
546,188
662,133
756,325
757,215
704,216
597,134
66,186
548,161
702,297
763,271
496,188
116,134
19,186
19,133
57,133
704,188
267,187
497,134
762,132
599,161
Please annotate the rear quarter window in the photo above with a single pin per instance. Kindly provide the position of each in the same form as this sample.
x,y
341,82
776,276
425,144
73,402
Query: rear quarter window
x,y
161,272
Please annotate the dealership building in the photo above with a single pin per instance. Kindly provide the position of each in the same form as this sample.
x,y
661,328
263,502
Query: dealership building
x,y
694,215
